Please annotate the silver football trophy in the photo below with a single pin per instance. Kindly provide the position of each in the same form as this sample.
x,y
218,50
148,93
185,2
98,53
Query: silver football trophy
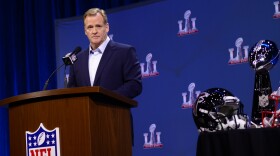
x,y
263,56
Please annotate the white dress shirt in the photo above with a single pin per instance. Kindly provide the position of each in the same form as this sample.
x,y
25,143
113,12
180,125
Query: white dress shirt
x,y
94,59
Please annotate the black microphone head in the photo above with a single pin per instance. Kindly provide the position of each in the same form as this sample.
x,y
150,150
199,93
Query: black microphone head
x,y
70,58
77,50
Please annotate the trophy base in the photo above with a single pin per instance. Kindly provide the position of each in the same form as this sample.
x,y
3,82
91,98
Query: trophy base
x,y
262,101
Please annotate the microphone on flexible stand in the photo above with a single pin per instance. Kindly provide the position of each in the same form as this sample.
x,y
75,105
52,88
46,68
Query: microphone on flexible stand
x,y
68,59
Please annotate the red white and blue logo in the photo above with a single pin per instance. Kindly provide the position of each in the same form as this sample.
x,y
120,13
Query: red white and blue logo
x,y
42,142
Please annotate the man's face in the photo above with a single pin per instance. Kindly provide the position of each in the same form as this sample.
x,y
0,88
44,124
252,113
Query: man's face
x,y
96,30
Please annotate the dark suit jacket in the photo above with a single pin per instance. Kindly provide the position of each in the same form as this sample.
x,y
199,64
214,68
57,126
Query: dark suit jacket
x,y
119,70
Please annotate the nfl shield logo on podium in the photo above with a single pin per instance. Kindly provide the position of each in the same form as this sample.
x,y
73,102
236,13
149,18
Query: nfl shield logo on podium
x,y
42,142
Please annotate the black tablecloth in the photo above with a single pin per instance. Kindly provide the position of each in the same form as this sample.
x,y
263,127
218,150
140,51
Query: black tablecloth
x,y
249,142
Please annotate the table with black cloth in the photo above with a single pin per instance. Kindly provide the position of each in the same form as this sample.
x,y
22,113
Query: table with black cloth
x,y
245,142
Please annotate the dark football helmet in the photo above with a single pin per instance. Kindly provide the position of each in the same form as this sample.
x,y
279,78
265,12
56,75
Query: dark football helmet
x,y
216,109
263,55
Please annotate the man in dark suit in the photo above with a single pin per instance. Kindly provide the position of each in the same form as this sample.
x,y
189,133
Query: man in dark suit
x,y
106,63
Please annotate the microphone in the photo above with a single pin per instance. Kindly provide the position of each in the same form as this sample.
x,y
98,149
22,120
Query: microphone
x,y
68,59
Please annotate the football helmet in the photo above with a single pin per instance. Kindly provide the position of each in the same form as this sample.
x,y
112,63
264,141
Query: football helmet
x,y
216,109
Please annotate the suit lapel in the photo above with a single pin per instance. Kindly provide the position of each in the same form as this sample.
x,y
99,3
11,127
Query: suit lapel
x,y
86,69
104,60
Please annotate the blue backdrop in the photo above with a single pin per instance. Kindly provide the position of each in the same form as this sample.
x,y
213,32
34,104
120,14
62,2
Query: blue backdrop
x,y
27,46
200,57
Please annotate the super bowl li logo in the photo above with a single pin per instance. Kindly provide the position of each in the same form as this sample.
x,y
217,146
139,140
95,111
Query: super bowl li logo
x,y
42,142
151,67
241,55
190,26
189,99
277,12
154,141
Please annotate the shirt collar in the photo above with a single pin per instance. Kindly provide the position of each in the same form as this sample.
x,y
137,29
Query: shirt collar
x,y
102,47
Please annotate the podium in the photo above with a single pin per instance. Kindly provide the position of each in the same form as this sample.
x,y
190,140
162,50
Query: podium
x,y
92,121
